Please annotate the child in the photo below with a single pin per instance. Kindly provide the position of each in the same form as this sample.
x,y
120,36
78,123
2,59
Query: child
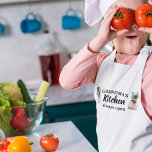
x,y
123,82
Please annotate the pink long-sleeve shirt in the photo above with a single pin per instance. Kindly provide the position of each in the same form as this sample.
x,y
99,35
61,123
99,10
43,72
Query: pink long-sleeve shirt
x,y
82,69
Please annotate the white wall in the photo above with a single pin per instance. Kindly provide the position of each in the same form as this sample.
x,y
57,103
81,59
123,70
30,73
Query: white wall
x,y
19,52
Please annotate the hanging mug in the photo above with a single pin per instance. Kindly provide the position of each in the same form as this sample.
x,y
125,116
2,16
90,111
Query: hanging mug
x,y
71,21
1,29
30,25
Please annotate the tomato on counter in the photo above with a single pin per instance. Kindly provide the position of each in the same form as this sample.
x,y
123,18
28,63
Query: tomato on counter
x,y
49,142
143,15
123,19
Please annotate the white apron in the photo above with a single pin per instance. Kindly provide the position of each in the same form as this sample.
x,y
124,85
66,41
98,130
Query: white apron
x,y
122,124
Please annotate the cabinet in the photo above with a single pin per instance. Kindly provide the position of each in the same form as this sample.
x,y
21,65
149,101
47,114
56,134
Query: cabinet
x,y
83,115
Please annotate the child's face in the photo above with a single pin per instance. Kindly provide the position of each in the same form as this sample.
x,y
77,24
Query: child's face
x,y
124,44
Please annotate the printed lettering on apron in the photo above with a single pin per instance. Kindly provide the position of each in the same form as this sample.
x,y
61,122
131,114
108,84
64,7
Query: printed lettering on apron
x,y
111,99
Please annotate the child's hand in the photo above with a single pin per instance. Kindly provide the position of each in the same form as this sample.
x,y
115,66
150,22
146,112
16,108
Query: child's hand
x,y
145,29
106,33
150,2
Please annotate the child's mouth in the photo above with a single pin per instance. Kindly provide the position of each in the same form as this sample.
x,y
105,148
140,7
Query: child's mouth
x,y
132,37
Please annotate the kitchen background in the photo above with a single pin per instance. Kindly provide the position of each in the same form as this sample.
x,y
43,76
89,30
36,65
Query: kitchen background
x,y
19,58
19,52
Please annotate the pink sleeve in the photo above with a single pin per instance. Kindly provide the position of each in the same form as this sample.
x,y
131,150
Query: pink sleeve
x,y
146,92
81,69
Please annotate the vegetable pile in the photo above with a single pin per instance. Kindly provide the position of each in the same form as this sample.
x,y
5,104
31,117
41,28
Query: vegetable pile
x,y
16,113
48,142
15,144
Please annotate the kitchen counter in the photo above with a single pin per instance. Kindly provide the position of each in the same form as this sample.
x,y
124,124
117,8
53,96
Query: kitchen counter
x,y
76,105
71,139
57,95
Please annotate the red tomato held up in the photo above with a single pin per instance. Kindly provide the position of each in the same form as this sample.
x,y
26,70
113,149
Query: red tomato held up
x,y
49,142
123,19
143,15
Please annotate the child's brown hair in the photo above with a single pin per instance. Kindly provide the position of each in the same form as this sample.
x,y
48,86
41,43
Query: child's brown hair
x,y
149,42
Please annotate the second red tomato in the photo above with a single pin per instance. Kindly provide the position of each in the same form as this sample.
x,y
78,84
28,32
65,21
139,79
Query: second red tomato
x,y
143,15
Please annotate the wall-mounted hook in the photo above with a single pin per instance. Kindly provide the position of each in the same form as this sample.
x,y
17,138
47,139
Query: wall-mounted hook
x,y
29,6
70,4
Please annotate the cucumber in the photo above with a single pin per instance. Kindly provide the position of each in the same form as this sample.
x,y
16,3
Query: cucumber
x,y
27,97
42,91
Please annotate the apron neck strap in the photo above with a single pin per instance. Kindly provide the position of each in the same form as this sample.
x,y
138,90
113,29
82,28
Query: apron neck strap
x,y
112,55
143,55
141,58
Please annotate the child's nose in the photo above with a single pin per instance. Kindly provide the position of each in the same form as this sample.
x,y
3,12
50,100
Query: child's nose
x,y
134,25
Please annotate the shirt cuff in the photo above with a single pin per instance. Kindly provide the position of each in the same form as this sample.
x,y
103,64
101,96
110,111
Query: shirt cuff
x,y
92,51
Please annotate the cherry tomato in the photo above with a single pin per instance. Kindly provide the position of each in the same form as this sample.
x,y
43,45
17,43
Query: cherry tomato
x,y
143,15
49,142
123,19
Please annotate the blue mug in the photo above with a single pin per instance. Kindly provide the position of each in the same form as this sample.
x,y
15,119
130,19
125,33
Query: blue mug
x,y
30,25
71,21
1,29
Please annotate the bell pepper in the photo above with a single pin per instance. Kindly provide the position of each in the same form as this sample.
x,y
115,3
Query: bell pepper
x,y
3,146
19,144
20,120
8,139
